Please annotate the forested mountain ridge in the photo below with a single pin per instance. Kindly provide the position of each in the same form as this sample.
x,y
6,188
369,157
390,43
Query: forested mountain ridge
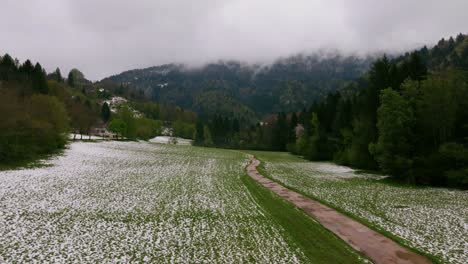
x,y
289,84
447,53
406,117
232,87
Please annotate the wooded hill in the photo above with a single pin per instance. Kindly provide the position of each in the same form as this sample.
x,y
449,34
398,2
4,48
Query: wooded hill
x,y
245,91
39,110
407,117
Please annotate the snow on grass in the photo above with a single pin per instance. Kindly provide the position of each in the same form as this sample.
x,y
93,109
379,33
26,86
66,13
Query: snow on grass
x,y
171,140
85,137
136,202
434,220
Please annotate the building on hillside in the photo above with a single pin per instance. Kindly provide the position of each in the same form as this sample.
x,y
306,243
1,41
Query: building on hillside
x,y
104,133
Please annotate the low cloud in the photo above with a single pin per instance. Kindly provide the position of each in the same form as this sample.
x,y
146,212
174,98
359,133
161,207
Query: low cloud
x,y
109,36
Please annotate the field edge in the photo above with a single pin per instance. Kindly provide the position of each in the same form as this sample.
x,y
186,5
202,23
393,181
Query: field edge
x,y
302,231
262,170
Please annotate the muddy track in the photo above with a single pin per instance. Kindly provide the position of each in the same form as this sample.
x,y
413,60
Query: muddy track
x,y
377,247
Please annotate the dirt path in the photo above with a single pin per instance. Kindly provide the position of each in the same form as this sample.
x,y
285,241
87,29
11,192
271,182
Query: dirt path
x,y
378,248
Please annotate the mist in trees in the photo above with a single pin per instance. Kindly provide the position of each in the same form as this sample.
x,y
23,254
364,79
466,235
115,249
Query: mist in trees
x,y
393,149
400,119
406,117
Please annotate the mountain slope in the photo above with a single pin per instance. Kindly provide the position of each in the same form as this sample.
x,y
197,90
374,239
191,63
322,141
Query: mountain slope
x,y
289,84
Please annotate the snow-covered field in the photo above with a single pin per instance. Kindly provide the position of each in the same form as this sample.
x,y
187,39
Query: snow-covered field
x,y
85,137
120,202
171,140
434,220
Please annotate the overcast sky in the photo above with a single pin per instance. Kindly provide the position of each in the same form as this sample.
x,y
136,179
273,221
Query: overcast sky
x,y
104,37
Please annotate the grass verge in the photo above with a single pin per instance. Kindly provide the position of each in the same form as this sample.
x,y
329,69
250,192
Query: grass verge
x,y
262,170
317,243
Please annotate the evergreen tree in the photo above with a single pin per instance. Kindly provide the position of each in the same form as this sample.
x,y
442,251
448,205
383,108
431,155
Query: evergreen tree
x,y
235,125
451,43
27,68
320,142
105,112
417,69
7,68
39,80
292,128
280,136
438,108
302,119
199,133
71,79
393,150
208,141
58,75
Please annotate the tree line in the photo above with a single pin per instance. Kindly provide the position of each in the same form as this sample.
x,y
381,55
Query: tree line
x,y
39,110
34,119
402,118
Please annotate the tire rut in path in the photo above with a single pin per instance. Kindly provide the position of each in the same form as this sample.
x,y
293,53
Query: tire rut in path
x,y
377,247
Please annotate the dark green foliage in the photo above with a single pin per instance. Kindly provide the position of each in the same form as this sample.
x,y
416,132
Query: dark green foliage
x,y
455,155
393,150
127,116
118,126
314,150
183,129
207,140
71,79
76,79
213,101
27,68
199,137
30,79
125,124
8,68
105,112
38,110
30,126
169,113
151,110
407,116
56,76
400,119
280,133
39,80
292,128
147,128
33,123
232,87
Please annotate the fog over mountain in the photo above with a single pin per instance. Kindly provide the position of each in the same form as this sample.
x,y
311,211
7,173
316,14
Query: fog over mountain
x,y
105,37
